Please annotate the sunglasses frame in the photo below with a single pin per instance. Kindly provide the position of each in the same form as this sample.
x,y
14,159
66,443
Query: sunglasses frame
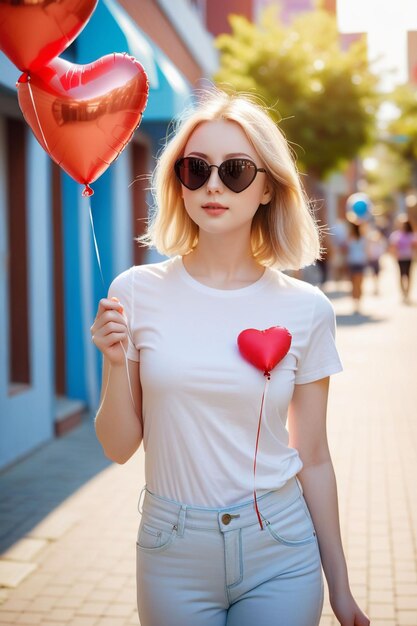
x,y
180,161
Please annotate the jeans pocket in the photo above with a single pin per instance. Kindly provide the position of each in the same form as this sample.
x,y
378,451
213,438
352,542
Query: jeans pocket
x,y
291,527
155,538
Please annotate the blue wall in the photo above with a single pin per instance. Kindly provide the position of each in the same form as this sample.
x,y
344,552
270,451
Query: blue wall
x,y
27,417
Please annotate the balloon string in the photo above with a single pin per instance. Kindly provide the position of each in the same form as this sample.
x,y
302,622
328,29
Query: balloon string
x,y
263,403
128,380
95,241
127,371
37,116
127,327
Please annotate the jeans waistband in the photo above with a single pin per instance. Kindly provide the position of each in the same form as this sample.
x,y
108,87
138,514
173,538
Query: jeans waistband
x,y
228,518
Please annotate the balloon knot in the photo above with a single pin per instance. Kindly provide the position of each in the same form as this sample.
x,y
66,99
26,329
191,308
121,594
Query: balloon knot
x,y
23,78
87,191
267,374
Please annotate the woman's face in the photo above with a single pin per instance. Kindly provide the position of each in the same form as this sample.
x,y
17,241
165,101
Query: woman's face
x,y
213,207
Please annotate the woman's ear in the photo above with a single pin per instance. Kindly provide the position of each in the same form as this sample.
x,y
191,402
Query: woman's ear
x,y
267,194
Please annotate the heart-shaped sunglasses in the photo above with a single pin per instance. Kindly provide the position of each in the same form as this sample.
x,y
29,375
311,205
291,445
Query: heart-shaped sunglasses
x,y
236,174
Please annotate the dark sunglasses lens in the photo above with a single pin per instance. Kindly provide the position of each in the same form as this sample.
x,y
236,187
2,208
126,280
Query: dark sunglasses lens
x,y
237,174
193,173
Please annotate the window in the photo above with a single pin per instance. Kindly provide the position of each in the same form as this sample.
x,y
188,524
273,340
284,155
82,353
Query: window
x,y
18,300
58,278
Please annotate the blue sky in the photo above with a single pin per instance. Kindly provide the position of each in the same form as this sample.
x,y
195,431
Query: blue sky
x,y
386,22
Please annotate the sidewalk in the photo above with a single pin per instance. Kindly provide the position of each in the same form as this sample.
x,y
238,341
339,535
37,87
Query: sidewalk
x,y
76,565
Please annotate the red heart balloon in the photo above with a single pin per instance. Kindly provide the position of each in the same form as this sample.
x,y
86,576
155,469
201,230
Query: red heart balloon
x,y
84,115
264,348
34,32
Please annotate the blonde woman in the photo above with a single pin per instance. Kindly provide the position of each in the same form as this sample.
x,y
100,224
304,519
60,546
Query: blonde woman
x,y
231,215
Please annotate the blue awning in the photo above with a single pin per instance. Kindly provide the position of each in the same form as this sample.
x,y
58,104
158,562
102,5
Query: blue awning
x,y
111,29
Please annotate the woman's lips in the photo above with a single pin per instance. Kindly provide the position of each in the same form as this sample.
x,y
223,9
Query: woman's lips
x,y
213,208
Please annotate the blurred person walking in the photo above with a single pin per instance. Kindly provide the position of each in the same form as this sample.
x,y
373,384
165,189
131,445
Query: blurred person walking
x,y
339,233
376,247
357,260
323,264
403,246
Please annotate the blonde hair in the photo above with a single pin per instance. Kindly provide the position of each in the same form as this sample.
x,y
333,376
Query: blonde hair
x,y
284,232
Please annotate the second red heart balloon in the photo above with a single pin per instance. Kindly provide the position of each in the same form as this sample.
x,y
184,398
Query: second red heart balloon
x,y
34,32
84,115
264,348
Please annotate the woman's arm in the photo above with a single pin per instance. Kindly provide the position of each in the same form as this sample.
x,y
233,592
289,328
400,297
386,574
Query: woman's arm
x,y
119,418
307,428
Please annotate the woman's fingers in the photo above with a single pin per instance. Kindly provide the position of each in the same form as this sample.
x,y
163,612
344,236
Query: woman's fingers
x,y
109,331
106,330
108,311
109,304
110,327
109,340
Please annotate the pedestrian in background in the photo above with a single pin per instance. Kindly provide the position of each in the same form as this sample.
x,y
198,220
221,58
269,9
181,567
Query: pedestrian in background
x,y
376,247
340,233
357,260
323,264
403,246
230,211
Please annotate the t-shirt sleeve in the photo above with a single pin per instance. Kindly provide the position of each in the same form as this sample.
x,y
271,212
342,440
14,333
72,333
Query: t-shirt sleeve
x,y
122,288
320,357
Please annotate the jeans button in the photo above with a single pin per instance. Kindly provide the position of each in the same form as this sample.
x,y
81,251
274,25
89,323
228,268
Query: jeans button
x,y
226,518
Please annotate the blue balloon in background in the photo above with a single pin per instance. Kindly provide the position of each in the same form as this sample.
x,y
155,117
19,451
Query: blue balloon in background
x,y
360,207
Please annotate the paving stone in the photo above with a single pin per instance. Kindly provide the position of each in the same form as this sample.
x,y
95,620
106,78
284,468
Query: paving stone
x,y
407,603
120,610
24,550
8,617
15,604
43,604
93,608
31,618
407,618
55,525
382,611
13,573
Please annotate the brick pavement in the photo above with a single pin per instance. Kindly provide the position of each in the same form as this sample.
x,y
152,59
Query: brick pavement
x,y
76,565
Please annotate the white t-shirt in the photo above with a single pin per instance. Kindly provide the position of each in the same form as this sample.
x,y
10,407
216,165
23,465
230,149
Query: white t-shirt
x,y
201,399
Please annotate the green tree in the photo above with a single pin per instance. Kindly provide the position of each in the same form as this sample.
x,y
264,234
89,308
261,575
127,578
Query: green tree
x,y
402,131
323,97
389,175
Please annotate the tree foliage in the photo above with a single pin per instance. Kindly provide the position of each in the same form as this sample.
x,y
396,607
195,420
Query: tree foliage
x,y
323,97
403,129
390,175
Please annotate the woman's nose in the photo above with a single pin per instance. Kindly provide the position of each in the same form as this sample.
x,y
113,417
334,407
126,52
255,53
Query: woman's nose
x,y
214,182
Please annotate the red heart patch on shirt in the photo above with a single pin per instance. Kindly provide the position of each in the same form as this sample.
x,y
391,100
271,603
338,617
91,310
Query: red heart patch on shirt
x,y
264,348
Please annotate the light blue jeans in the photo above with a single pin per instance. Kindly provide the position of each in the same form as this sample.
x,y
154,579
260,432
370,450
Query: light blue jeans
x,y
216,567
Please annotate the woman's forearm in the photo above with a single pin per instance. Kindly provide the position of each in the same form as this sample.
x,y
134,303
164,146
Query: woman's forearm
x,y
320,492
118,421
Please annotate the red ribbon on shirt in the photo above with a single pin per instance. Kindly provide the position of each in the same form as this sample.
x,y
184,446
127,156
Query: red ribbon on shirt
x,y
264,349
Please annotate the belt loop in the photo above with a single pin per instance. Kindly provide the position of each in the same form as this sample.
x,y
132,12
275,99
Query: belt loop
x,y
140,500
181,520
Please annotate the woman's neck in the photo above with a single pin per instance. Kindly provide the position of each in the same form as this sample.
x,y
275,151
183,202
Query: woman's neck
x,y
217,264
